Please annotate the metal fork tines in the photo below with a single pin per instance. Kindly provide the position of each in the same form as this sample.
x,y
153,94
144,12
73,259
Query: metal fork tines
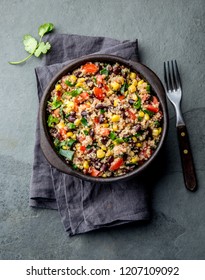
x,y
174,93
174,88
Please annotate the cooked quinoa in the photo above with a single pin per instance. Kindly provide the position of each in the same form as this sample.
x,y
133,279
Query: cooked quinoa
x,y
104,119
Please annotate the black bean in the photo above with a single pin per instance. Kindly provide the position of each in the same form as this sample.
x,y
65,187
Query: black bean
x,y
71,119
73,114
110,159
131,101
53,131
124,157
137,127
92,133
101,119
124,74
104,167
89,151
78,73
100,106
116,69
104,140
84,113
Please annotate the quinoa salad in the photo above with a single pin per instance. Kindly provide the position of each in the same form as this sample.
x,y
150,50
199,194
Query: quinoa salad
x,y
104,119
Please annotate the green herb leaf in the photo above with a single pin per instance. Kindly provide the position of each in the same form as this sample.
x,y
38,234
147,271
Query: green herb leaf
x,y
74,92
157,124
112,135
68,83
74,166
119,140
102,111
140,119
104,71
32,46
88,147
148,112
55,103
148,88
66,153
126,139
71,125
51,120
84,121
30,43
67,142
45,28
137,104
85,132
124,88
42,48
56,142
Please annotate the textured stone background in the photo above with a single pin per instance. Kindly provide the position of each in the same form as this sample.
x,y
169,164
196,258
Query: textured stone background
x,y
166,30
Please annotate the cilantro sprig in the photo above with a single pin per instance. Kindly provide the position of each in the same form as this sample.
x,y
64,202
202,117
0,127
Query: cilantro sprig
x,y
34,47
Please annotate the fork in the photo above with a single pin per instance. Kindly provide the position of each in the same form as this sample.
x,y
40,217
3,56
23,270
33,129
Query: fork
x,y
174,93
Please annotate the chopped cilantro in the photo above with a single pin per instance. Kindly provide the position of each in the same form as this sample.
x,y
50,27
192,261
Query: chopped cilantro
x,y
124,88
84,121
137,104
112,135
68,83
104,71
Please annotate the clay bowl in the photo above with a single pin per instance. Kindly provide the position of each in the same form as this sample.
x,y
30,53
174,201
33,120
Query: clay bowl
x,y
46,142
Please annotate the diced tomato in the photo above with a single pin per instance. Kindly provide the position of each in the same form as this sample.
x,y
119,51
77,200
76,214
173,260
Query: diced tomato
x,y
152,108
63,132
99,93
56,112
83,148
90,68
104,131
94,172
75,106
106,87
116,164
121,97
155,100
99,79
82,97
132,115
96,120
58,94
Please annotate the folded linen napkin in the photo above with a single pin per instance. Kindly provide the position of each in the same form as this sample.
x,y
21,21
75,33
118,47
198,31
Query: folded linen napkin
x,y
84,206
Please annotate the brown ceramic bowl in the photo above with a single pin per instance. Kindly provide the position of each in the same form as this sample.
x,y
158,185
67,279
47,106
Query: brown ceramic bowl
x,y
46,143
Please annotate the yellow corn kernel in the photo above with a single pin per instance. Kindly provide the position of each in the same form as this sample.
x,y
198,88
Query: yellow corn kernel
x,y
134,97
73,78
88,103
61,124
105,125
69,134
133,75
121,80
110,92
77,146
109,153
100,153
58,87
65,147
141,114
115,118
126,93
134,82
139,145
115,102
155,132
104,175
135,159
146,116
73,137
86,165
69,106
134,139
132,153
115,86
132,88
81,80
140,82
77,122
160,130
103,147
115,127
79,85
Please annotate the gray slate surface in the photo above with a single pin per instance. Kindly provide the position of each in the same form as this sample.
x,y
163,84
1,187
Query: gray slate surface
x,y
166,30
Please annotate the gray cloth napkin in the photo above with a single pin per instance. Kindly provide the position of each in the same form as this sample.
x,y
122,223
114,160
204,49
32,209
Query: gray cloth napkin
x,y
84,206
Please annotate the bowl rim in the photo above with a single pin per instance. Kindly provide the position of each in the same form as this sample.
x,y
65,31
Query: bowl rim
x,y
46,143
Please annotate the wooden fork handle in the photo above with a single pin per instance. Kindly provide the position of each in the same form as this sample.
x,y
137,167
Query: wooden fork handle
x,y
186,158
